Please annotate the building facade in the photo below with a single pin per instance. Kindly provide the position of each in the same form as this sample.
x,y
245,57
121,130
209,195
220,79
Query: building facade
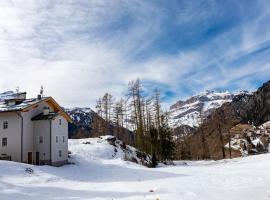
x,y
33,131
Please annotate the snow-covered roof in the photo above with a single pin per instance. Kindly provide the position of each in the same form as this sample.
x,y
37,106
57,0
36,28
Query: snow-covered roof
x,y
6,95
5,107
23,104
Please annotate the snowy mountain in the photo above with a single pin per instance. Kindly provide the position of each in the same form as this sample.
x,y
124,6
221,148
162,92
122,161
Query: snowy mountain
x,y
81,115
188,112
83,125
82,119
245,108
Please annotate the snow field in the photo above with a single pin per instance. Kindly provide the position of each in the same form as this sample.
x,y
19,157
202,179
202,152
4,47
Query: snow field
x,y
98,172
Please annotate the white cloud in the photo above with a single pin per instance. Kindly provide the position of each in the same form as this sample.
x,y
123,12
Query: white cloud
x,y
43,44
78,50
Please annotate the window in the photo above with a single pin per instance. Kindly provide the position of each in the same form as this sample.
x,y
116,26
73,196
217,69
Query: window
x,y
56,139
4,142
60,121
5,124
63,139
40,139
60,153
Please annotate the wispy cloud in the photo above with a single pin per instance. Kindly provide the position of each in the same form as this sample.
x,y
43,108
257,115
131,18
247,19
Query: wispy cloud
x,y
80,49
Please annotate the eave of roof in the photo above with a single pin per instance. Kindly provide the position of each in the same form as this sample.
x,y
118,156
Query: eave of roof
x,y
41,116
60,109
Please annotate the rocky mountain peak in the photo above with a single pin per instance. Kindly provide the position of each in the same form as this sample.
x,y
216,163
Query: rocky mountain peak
x,y
207,95
189,111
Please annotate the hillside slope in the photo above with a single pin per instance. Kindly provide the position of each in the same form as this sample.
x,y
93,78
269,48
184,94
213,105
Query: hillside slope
x,y
244,108
86,122
107,148
96,174
82,119
190,111
183,114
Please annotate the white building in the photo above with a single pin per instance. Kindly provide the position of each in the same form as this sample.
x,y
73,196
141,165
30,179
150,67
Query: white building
x,y
33,131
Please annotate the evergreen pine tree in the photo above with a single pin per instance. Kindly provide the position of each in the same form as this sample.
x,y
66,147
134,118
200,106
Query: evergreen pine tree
x,y
154,145
166,141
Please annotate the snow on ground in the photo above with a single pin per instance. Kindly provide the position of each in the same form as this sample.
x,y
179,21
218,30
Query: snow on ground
x,y
99,172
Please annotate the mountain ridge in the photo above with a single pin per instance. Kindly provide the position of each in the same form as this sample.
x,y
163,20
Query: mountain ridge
x,y
193,110
245,108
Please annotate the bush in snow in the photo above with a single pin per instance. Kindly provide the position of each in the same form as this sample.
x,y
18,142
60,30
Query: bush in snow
x,y
29,170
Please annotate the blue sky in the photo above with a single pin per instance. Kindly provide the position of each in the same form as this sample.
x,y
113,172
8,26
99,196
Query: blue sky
x,y
79,49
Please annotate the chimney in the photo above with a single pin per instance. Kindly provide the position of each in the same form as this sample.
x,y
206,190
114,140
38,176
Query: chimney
x,y
21,96
46,110
39,96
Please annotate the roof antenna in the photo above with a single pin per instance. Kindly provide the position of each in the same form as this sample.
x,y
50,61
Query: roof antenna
x,y
17,89
40,95
41,91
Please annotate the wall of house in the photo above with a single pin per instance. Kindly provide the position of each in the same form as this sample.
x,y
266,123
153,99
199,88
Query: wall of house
x,y
28,130
42,128
13,135
31,131
60,130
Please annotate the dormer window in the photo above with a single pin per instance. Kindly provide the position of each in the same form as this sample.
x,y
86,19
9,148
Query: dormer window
x,y
5,125
11,102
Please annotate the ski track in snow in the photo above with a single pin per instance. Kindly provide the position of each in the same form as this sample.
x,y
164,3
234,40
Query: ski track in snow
x,y
100,173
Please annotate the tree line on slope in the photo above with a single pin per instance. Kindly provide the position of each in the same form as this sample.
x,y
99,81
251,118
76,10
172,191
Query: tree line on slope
x,y
209,140
137,119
